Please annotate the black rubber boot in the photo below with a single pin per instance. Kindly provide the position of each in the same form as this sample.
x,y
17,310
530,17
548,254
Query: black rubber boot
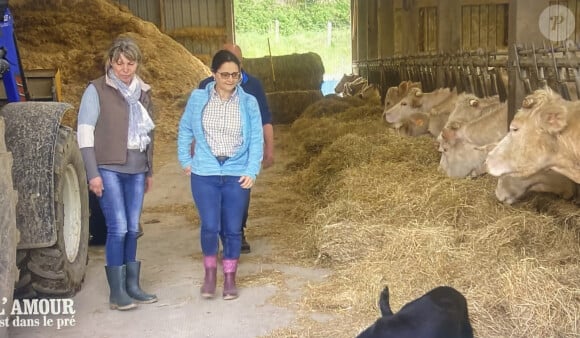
x,y
118,298
133,288
140,231
245,244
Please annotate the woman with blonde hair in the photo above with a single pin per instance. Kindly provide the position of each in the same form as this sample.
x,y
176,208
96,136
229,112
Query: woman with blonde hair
x,y
115,134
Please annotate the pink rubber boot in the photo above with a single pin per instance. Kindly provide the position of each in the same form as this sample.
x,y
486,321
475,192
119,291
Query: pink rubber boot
x,y
209,281
230,268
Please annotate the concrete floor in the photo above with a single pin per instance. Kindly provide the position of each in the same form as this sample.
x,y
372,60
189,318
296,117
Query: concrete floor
x,y
172,269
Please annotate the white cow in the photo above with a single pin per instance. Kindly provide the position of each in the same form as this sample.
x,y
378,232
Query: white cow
x,y
396,94
416,101
462,145
544,134
424,123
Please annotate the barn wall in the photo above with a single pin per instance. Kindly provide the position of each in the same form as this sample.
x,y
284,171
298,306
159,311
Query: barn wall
x,y
386,25
146,9
430,26
202,26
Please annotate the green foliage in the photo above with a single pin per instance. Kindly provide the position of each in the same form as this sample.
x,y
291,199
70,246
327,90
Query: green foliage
x,y
258,16
336,55
303,28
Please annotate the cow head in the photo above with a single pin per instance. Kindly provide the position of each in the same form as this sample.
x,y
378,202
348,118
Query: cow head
x,y
391,98
470,107
532,140
462,159
339,88
408,105
395,94
415,125
370,92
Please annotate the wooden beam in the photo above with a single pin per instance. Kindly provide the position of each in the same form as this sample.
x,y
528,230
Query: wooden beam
x,y
162,27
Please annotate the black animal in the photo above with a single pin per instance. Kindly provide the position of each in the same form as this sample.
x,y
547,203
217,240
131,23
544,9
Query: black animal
x,y
440,313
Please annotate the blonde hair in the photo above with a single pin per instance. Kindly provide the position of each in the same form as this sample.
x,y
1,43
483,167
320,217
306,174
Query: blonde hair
x,y
125,46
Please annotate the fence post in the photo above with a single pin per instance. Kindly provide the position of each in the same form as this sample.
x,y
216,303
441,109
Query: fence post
x,y
329,33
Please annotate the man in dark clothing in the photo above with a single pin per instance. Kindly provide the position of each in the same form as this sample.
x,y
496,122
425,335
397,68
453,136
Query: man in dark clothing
x,y
253,86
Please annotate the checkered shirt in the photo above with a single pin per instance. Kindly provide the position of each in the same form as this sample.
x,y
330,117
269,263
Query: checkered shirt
x,y
222,124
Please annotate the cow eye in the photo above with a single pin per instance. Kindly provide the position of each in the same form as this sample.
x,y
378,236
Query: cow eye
x,y
513,129
403,103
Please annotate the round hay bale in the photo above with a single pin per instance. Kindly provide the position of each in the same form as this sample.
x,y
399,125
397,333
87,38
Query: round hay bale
x,y
287,106
291,72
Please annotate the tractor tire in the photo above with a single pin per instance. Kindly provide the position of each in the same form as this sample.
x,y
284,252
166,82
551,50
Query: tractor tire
x,y
59,270
9,235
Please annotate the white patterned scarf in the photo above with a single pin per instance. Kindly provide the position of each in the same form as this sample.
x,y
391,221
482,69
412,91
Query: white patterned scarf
x,y
140,124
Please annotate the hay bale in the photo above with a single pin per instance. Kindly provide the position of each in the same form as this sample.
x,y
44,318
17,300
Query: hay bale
x,y
291,72
287,106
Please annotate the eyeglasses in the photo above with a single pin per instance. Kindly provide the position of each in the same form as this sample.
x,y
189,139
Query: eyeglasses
x,y
226,75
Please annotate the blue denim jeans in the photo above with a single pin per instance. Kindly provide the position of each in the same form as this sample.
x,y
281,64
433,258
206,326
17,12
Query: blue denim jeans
x,y
221,203
121,203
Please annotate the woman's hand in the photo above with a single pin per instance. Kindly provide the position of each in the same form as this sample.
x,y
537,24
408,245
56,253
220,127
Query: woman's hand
x,y
187,171
148,183
96,186
246,182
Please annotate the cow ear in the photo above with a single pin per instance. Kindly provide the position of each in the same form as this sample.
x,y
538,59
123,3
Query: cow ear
x,y
528,102
474,103
553,119
403,86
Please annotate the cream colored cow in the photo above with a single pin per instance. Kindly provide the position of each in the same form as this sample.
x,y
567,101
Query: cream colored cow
x,y
544,134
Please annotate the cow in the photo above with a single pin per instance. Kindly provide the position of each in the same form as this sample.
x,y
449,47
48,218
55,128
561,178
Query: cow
x,y
468,107
339,88
370,92
424,123
415,125
354,87
440,313
396,94
511,188
544,134
462,145
416,101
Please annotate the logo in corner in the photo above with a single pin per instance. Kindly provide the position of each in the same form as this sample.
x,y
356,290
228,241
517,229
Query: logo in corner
x,y
557,23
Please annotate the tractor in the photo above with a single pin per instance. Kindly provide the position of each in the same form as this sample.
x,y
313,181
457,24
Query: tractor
x,y
44,198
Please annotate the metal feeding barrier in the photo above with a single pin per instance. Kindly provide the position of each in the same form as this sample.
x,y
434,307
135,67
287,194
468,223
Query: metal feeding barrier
x,y
481,72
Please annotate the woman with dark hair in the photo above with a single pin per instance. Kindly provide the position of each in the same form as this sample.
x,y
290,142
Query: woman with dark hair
x,y
225,125
115,135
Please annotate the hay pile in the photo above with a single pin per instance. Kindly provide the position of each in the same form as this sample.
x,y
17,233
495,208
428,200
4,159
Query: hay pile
x,y
287,106
74,37
379,213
